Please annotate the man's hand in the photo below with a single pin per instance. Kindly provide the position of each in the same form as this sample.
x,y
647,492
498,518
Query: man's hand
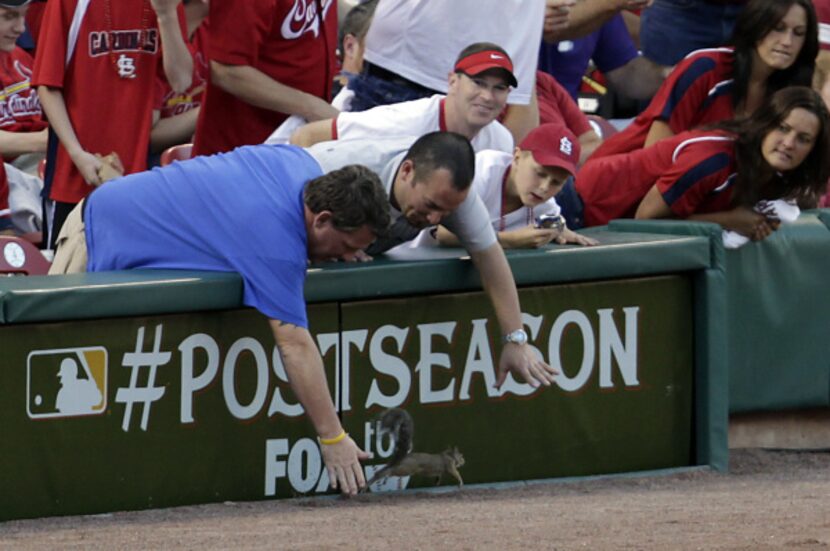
x,y
165,7
343,465
521,360
88,165
557,14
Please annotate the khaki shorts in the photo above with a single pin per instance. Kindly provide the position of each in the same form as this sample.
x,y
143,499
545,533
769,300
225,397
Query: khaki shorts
x,y
70,247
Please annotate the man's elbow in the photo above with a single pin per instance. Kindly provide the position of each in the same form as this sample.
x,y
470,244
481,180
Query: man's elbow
x,y
181,83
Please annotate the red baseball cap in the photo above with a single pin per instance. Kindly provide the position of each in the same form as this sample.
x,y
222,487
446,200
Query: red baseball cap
x,y
552,144
485,60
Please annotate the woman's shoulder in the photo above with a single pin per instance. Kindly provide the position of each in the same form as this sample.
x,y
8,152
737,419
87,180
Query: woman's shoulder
x,y
702,143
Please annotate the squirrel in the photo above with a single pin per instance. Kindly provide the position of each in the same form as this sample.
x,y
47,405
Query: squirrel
x,y
404,463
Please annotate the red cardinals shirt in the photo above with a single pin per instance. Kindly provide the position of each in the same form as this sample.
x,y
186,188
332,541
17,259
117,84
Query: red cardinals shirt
x,y
108,84
694,172
291,41
697,92
168,102
19,104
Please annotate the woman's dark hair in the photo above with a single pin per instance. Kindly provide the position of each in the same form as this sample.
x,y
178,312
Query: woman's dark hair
x,y
758,19
756,180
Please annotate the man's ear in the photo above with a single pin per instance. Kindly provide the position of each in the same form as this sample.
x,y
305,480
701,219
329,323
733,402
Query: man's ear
x,y
322,218
407,172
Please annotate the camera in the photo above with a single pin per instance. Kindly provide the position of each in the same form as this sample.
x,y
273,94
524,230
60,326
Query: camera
x,y
550,221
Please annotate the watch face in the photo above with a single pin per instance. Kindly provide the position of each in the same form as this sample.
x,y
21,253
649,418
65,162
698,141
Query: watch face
x,y
14,255
517,337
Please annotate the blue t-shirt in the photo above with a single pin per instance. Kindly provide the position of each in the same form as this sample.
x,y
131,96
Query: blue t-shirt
x,y
240,211
610,47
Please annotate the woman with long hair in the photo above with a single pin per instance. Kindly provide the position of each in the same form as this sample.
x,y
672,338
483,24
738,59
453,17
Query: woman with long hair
x,y
774,45
720,174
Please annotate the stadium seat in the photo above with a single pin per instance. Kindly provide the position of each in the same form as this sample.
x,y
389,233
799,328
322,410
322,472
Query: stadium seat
x,y
601,126
179,152
19,257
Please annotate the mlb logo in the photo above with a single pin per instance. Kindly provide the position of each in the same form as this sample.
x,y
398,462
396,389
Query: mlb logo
x,y
66,382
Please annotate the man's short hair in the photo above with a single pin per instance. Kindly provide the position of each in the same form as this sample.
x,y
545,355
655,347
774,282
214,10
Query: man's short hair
x,y
355,197
447,150
356,22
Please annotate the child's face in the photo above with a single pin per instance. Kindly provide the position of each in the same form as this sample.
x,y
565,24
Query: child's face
x,y
535,183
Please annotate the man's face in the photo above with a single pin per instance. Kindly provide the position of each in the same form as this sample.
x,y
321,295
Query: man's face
x,y
12,25
478,99
425,202
327,243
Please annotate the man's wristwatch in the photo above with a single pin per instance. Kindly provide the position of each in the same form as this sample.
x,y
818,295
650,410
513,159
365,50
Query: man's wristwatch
x,y
516,337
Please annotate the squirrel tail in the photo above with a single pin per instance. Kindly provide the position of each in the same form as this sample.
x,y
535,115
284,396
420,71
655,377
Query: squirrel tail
x,y
399,423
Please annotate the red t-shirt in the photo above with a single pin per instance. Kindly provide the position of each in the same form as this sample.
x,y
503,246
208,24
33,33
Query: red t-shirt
x,y
108,112
697,92
693,170
557,105
19,104
168,102
283,39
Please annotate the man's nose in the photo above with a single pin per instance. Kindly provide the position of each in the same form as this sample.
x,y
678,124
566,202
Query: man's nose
x,y
434,217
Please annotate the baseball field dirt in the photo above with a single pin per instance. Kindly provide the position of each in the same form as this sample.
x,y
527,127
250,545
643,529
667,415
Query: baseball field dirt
x,y
768,500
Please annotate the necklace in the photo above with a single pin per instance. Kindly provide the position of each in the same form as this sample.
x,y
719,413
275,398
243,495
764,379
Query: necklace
x,y
124,65
502,213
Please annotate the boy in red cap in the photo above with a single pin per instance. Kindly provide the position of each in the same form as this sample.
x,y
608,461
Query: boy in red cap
x,y
518,190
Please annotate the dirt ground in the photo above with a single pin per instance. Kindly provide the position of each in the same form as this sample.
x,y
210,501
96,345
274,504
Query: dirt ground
x,y
769,500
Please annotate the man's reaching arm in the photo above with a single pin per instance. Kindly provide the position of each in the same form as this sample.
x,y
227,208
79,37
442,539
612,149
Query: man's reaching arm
x,y
304,368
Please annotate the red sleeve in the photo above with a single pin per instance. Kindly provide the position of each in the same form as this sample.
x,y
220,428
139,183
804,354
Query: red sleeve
x,y
696,173
245,26
559,105
50,58
685,90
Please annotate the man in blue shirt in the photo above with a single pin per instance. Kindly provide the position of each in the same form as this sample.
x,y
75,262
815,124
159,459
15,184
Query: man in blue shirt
x,y
187,216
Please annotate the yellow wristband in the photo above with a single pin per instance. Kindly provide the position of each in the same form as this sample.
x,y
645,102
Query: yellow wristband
x,y
332,441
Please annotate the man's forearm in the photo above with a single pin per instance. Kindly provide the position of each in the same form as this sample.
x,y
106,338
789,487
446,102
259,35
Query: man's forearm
x,y
255,87
498,283
304,368
177,61
639,78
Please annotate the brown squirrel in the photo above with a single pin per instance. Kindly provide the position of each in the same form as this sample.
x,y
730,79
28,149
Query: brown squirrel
x,y
404,463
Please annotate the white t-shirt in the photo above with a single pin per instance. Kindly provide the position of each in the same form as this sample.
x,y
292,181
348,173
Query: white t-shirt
x,y
469,221
414,118
420,39
491,167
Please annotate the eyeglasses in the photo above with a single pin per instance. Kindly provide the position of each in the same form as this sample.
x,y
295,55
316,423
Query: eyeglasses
x,y
482,84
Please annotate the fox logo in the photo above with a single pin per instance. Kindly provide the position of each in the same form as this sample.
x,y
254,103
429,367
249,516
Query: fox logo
x,y
66,382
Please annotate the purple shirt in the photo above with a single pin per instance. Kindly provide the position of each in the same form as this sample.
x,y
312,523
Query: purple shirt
x,y
610,47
